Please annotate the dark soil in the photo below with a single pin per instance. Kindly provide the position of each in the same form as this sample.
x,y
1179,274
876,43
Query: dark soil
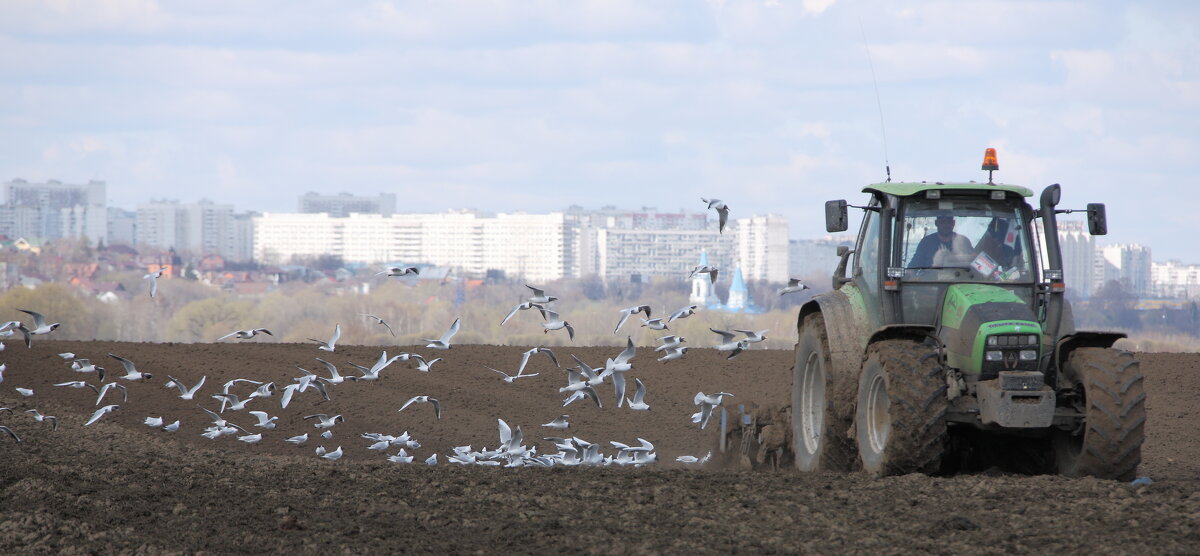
x,y
121,486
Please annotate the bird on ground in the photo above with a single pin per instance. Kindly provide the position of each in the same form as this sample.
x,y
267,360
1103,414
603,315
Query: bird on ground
x,y
101,413
153,278
683,313
510,378
711,271
249,438
553,322
670,342
444,341
794,285
105,388
431,460
401,457
245,334
332,343
534,351
37,416
694,459
327,434
521,307
187,393
722,211
67,355
336,454
10,432
172,427
638,401
630,311
131,372
27,392
396,271
380,321
39,323
560,423
324,421
539,296
437,406
153,421
423,365
674,353
264,421
298,440
753,337
654,324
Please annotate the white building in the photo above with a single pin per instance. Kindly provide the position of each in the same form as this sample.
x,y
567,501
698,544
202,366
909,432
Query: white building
x,y
1173,279
1128,264
762,248
201,228
345,204
661,253
121,226
1078,257
55,210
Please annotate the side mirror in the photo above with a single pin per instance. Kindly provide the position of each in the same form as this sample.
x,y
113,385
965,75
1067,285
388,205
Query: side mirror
x,y
1097,220
836,216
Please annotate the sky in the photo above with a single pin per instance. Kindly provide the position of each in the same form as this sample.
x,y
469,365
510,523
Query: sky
x,y
534,105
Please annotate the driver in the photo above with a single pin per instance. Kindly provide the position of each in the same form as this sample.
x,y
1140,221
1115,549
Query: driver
x,y
942,247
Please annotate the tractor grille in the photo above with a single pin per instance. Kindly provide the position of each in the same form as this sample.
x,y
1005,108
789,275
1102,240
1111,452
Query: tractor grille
x,y
1009,352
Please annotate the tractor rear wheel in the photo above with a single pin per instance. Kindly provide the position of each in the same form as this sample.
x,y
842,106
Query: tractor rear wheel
x,y
900,423
1108,389
822,404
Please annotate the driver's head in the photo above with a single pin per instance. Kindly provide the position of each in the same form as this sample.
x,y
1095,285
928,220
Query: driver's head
x,y
945,225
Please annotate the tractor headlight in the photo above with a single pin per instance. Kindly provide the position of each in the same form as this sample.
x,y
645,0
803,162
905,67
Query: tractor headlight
x,y
1028,354
1031,340
993,356
991,340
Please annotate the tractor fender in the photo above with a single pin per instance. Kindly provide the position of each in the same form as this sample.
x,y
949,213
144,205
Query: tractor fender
x,y
1083,338
918,332
844,326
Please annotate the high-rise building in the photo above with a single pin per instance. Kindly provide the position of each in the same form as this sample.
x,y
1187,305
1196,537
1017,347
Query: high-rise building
x,y
1174,279
345,204
54,210
201,228
122,226
1128,264
762,248
1078,257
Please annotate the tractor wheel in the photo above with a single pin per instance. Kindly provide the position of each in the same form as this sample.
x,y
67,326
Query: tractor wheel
x,y
900,423
1108,389
822,404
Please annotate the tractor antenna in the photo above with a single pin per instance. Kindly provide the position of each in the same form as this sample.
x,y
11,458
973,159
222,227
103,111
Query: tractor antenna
x,y
883,129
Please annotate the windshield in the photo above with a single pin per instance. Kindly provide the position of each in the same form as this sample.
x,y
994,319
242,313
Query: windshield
x,y
953,239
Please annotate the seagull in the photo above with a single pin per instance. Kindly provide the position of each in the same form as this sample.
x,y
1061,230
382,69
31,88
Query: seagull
x,y
400,271
39,323
131,372
101,413
654,324
332,343
670,342
707,403
10,432
372,373
521,307
539,296
694,459
153,421
380,321
728,343
422,365
67,355
334,376
172,427
431,460
683,313
187,393
76,384
558,424
4,367
217,420
245,334
630,311
711,271
638,401
24,392
265,391
674,353
37,416
585,392
510,378
437,406
722,211
534,351
324,421
233,401
104,390
401,457
153,278
618,367
327,434
553,322
794,285
741,346
26,334
264,421
336,454
86,366
444,341
753,337
298,440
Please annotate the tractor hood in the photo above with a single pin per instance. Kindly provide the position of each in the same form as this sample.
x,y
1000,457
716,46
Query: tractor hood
x,y
987,329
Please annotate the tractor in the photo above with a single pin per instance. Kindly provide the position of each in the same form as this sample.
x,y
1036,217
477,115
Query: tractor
x,y
950,346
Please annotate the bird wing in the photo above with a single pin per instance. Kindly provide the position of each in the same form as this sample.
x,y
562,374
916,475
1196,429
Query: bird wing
x,y
728,336
320,416
549,353
536,292
333,372
570,330
153,285
174,381
494,371
639,396
38,320
337,333
451,332
286,398
505,432
624,317
129,367
591,393
264,331
260,415
437,407
227,335
525,360
629,352
724,216
511,313
406,404
619,387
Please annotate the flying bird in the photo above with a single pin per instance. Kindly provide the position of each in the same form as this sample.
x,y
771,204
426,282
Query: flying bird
x,y
423,365
630,311
534,351
400,271
539,296
444,341
510,378
560,423
794,285
722,211
553,322
437,406
10,432
683,313
638,401
711,271
752,336
324,421
674,353
521,307
153,278
131,372
670,342
245,334
332,343
37,416
104,390
654,324
39,323
101,413
184,392
380,321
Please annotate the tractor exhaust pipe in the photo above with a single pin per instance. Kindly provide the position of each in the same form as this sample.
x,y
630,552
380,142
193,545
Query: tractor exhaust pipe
x,y
1054,268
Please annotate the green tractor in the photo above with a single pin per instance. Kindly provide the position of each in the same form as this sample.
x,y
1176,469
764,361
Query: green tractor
x,y
950,346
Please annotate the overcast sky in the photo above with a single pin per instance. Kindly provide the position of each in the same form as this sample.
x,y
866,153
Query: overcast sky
x,y
535,105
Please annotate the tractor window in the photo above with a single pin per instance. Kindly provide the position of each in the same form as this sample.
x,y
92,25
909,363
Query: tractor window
x,y
951,240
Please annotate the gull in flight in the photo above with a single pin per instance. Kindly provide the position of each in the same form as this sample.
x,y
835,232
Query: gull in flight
x,y
683,313
332,343
638,401
510,378
104,390
618,367
39,323
422,364
324,421
654,324
560,423
437,406
670,342
245,334
234,403
380,321
722,211
794,285
37,416
334,376
187,393
265,391
10,432
553,322
707,403
753,337
674,353
539,296
131,372
153,278
581,393
534,351
444,341
86,366
728,343
630,311
74,384
711,271
373,372
264,421
400,271
742,345
521,307
101,413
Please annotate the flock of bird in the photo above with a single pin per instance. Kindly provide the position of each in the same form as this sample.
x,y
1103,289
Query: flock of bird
x,y
583,382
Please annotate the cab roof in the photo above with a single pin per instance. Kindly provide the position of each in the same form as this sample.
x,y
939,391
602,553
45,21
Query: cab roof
x,y
905,189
